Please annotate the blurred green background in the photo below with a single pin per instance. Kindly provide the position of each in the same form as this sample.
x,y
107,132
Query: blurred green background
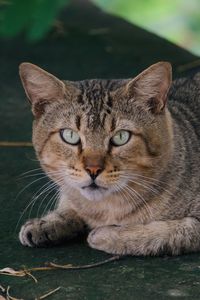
x,y
176,20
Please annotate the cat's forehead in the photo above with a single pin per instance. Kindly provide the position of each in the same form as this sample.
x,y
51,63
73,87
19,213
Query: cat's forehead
x,y
102,85
95,101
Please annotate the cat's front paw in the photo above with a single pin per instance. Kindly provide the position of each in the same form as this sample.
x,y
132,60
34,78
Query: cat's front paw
x,y
38,233
106,239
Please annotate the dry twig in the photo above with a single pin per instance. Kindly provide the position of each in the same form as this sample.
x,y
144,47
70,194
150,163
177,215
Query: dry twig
x,y
8,296
48,294
89,266
49,266
53,266
15,144
2,289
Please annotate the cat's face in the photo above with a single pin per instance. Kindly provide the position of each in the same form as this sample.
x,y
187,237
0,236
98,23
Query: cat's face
x,y
99,136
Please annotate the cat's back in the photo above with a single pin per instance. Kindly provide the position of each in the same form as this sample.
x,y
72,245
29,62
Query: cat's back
x,y
184,101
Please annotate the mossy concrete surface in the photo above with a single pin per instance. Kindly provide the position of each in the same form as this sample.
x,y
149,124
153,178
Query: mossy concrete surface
x,y
86,43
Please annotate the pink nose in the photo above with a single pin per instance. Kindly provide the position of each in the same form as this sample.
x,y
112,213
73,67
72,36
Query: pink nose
x,y
93,171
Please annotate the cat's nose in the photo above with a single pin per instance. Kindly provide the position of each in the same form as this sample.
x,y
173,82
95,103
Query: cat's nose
x,y
93,171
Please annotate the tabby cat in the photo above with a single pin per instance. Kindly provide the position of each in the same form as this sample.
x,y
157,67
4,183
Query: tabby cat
x,y
126,162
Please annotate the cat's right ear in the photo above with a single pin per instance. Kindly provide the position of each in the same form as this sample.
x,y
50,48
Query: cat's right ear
x,y
40,86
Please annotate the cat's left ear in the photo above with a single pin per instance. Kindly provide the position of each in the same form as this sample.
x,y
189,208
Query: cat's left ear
x,y
150,88
40,86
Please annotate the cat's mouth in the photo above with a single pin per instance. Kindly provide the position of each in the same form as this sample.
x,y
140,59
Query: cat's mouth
x,y
93,186
94,192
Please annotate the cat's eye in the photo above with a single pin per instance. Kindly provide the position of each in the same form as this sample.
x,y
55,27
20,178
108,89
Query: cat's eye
x,y
121,137
70,136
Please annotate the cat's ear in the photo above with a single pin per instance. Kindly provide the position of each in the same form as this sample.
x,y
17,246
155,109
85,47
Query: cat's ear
x,y
40,86
151,87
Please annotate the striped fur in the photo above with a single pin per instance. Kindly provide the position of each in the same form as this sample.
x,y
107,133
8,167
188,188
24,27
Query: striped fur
x,y
149,200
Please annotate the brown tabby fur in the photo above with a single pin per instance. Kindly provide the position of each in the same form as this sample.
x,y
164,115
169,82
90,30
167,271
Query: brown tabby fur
x,y
150,200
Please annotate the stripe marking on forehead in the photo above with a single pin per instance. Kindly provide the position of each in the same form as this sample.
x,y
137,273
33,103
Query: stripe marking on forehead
x,y
95,101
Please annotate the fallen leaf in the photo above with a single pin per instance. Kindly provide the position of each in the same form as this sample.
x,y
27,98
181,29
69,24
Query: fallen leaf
x,y
12,272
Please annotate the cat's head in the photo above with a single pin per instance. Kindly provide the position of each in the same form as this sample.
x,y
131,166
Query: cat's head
x,y
98,136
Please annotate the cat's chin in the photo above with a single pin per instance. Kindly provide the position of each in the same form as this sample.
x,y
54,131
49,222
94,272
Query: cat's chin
x,y
94,194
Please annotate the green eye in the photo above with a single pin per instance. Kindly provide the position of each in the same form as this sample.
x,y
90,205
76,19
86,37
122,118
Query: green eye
x,y
120,138
70,136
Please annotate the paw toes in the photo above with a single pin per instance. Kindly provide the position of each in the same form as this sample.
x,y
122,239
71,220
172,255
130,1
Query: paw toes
x,y
97,237
39,233
29,238
31,234
105,239
25,237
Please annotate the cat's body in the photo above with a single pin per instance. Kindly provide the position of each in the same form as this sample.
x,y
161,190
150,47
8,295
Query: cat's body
x,y
141,197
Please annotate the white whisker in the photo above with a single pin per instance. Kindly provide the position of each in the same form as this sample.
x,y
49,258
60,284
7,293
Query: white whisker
x,y
30,171
28,185
148,184
133,192
46,188
51,188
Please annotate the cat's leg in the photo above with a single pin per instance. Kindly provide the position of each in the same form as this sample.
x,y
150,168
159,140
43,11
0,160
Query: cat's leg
x,y
156,238
51,229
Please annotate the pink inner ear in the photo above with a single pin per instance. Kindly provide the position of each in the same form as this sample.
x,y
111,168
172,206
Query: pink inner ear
x,y
39,84
153,83
43,89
